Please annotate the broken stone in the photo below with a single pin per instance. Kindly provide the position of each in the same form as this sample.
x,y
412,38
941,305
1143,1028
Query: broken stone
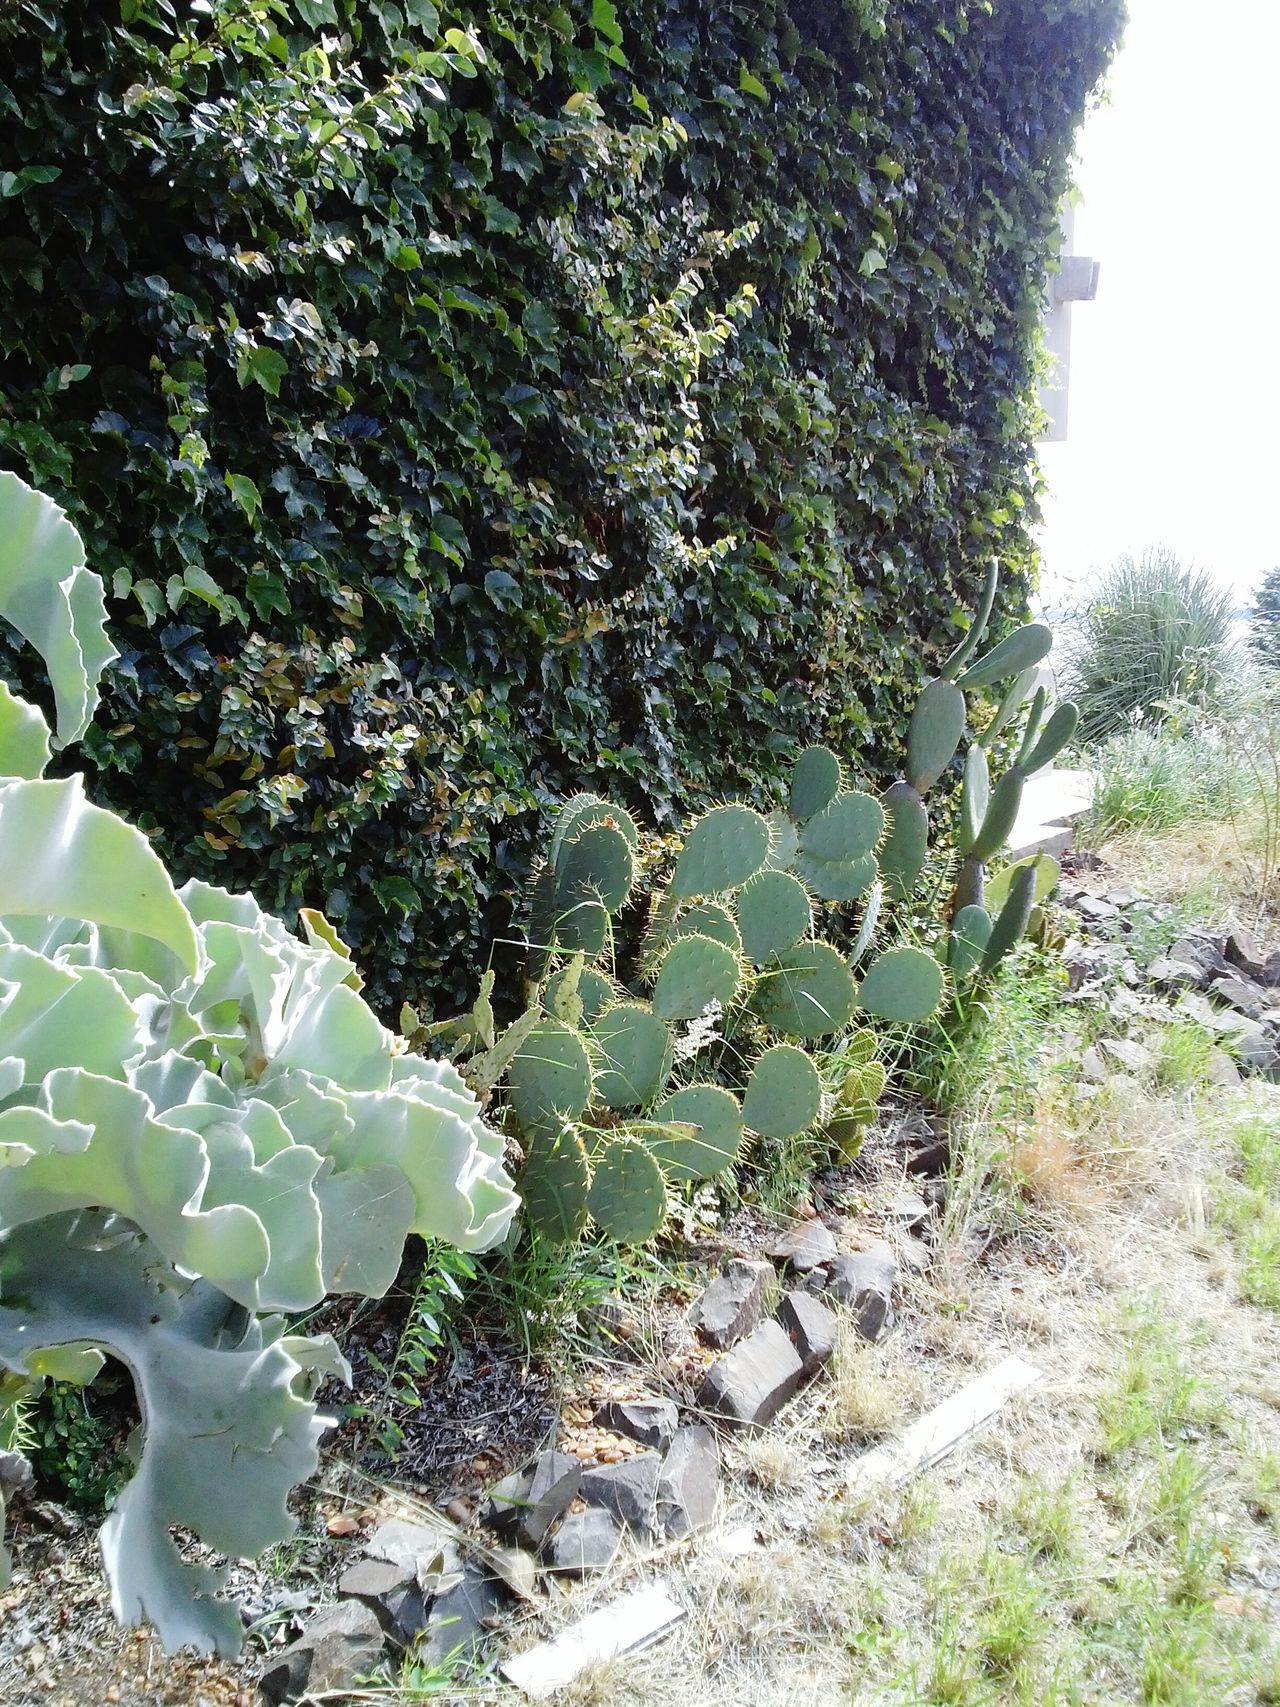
x,y
413,1545
1197,949
1242,951
932,1158
1095,908
1256,1050
732,1304
1242,994
1174,974
628,1490
1122,898
865,1281
652,1422
585,1541
810,1326
1093,1067
1131,1056
1220,1069
370,1579
806,1247
507,1501
753,1381
337,1646
1270,974
457,1620
688,1481
909,1209
555,1481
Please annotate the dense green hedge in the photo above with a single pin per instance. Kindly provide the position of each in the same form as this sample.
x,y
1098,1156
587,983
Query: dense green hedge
x,y
479,405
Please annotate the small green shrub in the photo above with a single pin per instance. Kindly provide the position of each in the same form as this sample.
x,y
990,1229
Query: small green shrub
x,y
1264,619
1154,633
1156,779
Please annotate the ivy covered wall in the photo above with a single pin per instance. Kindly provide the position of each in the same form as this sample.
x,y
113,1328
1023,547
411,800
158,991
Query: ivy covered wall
x,y
467,406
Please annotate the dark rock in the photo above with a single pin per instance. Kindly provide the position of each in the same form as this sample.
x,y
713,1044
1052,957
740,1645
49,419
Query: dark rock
x,y
1243,952
688,1481
810,1326
913,1254
337,1646
1173,974
456,1621
1255,1048
370,1579
1270,974
628,1490
865,1281
931,1159
909,1209
806,1246
1198,949
652,1422
556,1479
16,1473
1095,908
507,1501
732,1304
1220,1069
585,1541
1242,994
753,1381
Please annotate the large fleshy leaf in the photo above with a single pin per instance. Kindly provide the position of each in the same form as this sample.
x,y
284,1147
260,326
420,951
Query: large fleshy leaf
x,y
24,737
50,597
60,857
230,1426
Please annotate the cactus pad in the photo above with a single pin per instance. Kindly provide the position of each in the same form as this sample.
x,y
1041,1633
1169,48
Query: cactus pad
x,y
695,971
553,1186
1016,695
596,864
903,985
867,928
721,851
713,1145
937,723
1053,738
977,628
1001,815
582,810
773,913
709,918
807,991
580,927
1011,921
975,797
1022,650
1048,871
970,933
784,841
815,782
784,1093
592,989
846,830
838,880
636,1053
902,854
628,1195
549,1080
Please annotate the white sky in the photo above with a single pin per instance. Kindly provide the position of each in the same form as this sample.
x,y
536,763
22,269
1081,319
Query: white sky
x,y
1175,367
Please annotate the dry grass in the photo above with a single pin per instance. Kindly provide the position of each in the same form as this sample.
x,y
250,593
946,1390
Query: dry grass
x,y
1210,867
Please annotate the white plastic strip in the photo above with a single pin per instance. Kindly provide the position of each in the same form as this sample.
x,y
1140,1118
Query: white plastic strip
x,y
632,1621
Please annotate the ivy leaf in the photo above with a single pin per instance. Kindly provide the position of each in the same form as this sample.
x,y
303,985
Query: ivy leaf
x,y
245,493
871,263
750,84
263,366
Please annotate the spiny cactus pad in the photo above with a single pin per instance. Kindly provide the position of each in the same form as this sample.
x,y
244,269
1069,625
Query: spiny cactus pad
x,y
721,851
636,1053
715,1141
837,880
553,1186
628,1195
584,809
903,985
549,1080
846,830
596,864
1022,650
695,971
815,782
970,934
784,841
807,991
784,1093
773,913
937,723
709,918
902,854
579,927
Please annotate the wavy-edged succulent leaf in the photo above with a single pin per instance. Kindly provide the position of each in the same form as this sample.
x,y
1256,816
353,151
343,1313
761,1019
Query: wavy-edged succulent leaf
x,y
24,737
53,1015
227,1403
61,857
53,600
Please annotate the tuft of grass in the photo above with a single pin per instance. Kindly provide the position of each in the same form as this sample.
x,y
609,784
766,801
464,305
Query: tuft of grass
x,y
1246,1200
1154,1397
1155,779
1047,1516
